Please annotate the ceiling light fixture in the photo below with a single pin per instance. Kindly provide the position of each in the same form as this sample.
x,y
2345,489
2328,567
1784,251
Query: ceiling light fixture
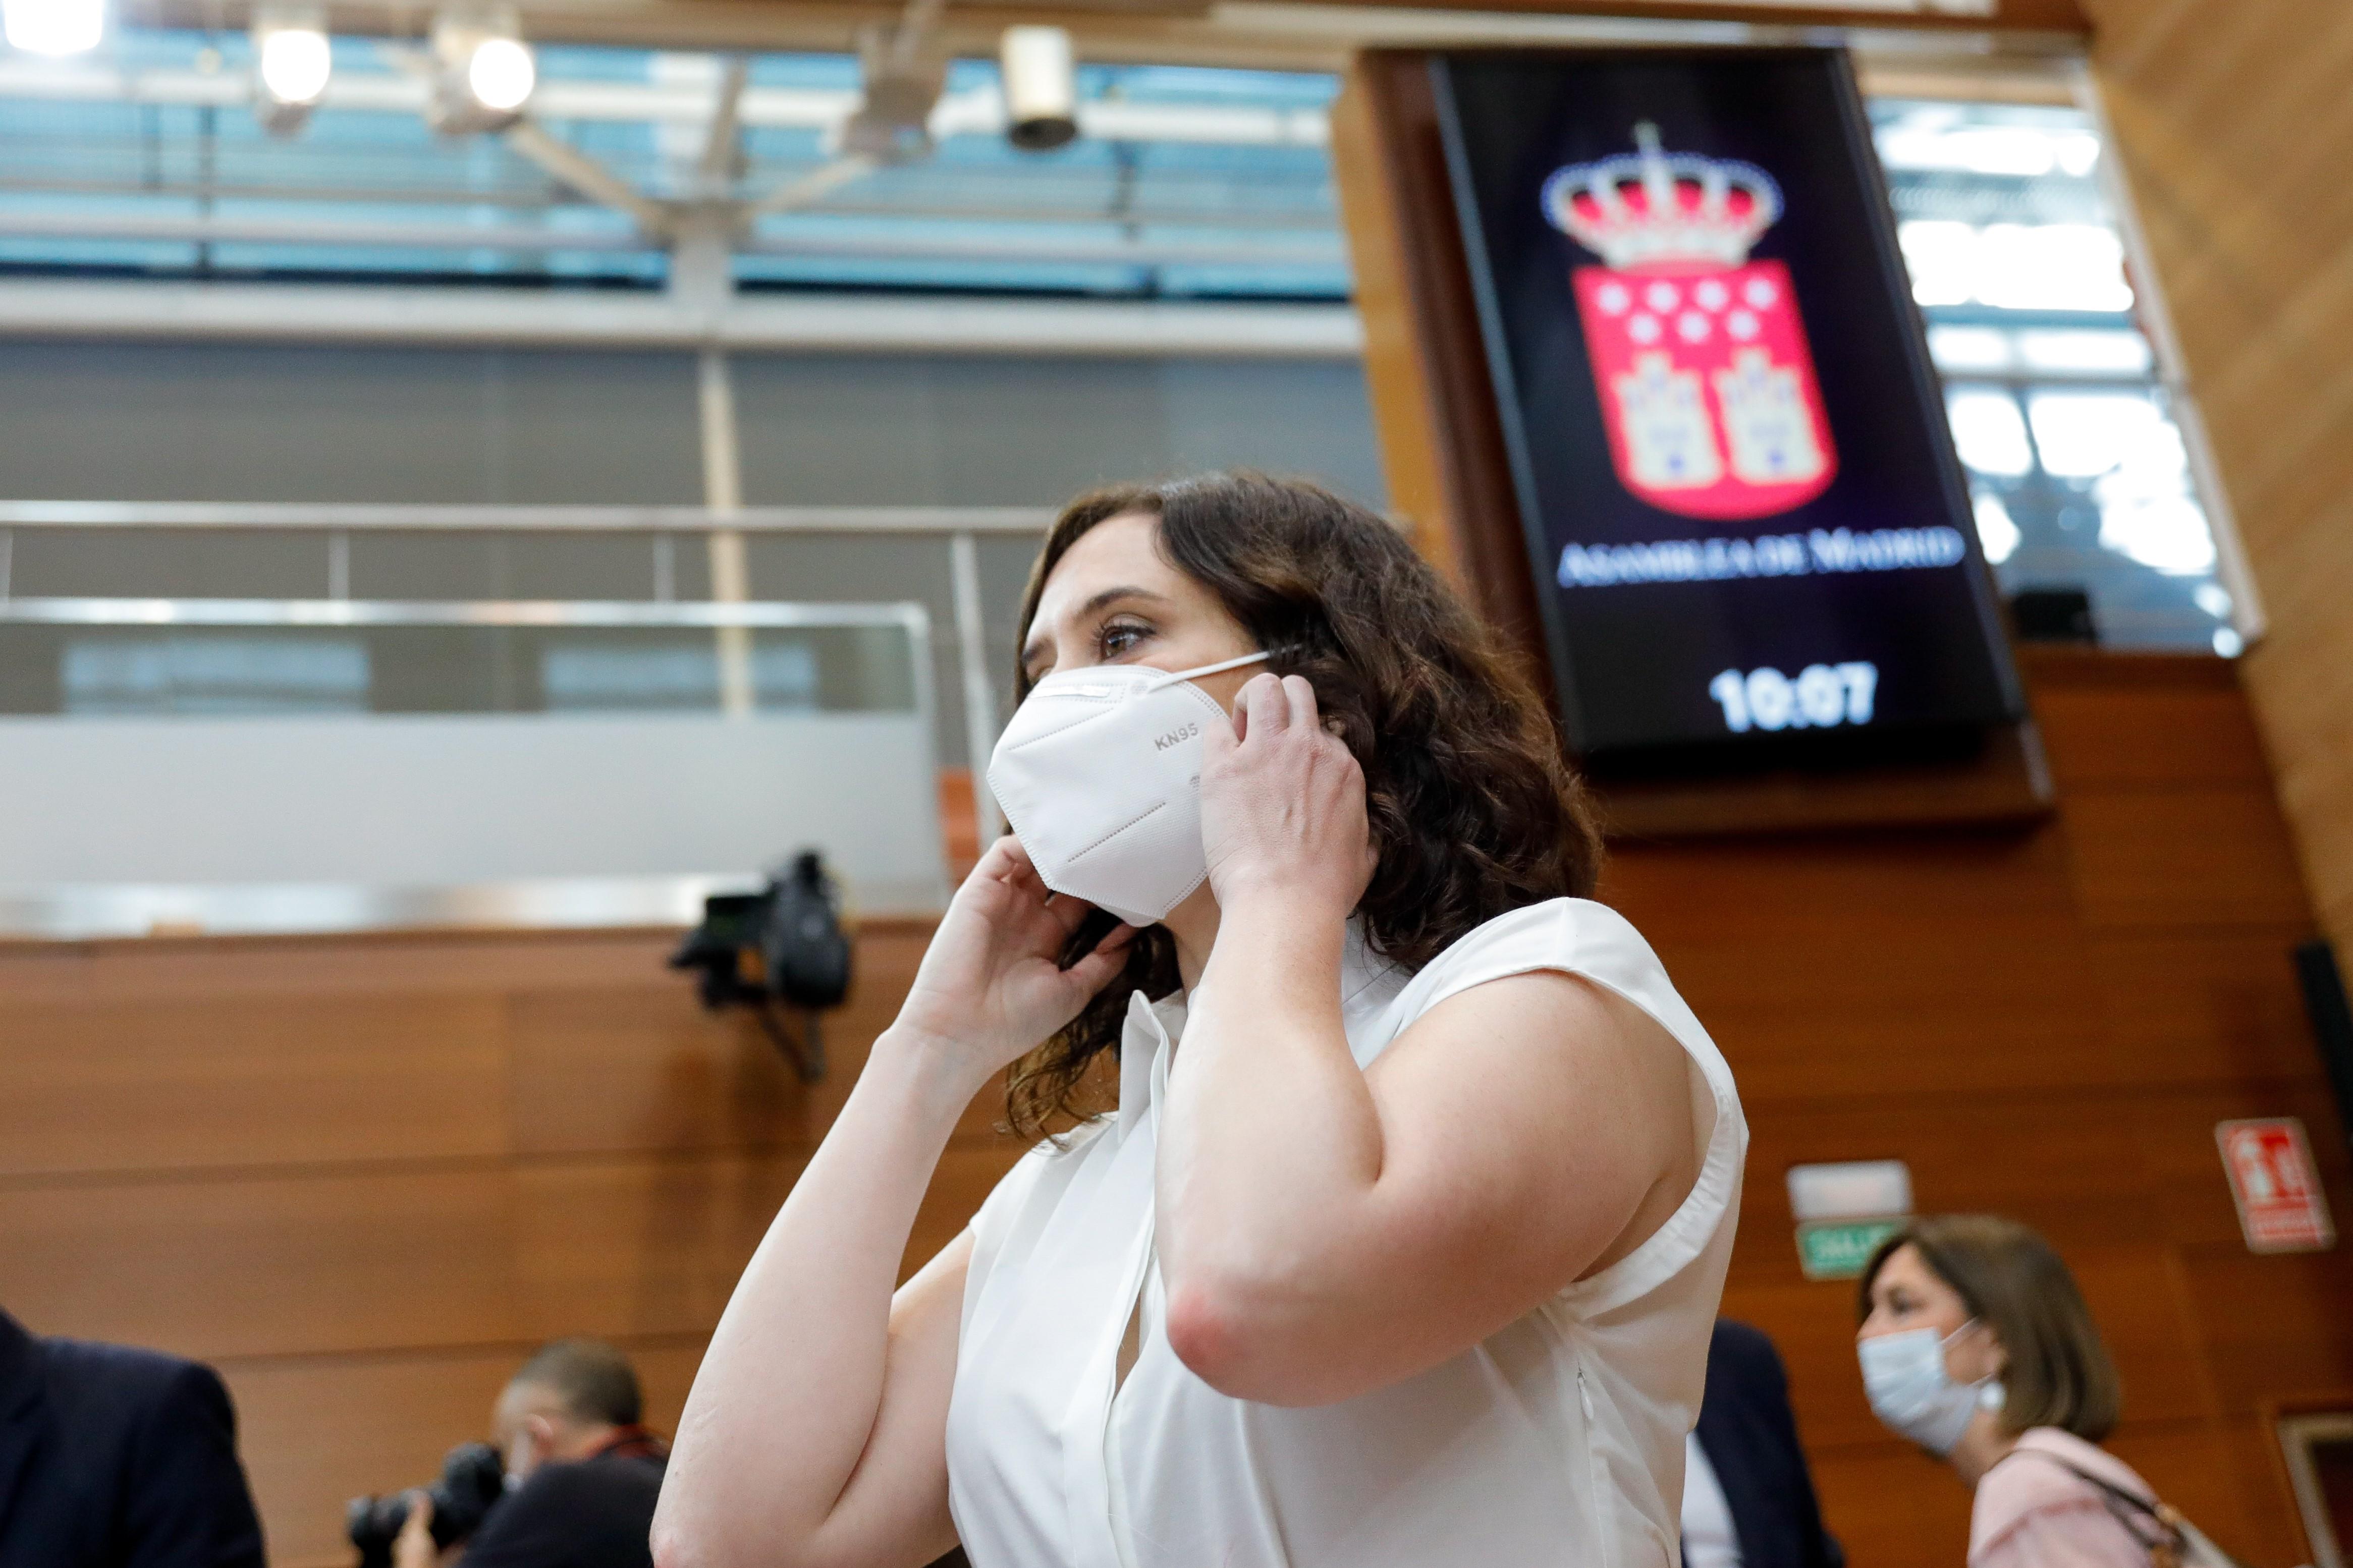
x,y
485,75
1041,92
902,70
291,63
53,26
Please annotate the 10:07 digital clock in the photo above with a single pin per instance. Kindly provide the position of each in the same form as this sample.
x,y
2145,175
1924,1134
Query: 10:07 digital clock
x,y
1820,697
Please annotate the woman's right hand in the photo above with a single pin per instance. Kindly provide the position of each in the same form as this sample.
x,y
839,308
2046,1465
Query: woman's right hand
x,y
990,987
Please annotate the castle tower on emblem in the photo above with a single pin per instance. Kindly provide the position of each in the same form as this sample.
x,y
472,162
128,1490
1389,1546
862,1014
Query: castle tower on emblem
x,y
1706,384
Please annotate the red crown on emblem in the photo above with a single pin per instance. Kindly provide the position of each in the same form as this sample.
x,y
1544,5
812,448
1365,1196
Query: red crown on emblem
x,y
1652,209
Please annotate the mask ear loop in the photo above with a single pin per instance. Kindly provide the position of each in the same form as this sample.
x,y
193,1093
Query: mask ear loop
x,y
1174,676
1991,1395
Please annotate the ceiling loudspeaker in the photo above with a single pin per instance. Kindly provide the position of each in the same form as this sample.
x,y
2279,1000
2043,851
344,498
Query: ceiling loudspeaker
x,y
1041,89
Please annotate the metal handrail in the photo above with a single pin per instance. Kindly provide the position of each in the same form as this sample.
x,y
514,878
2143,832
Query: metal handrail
x,y
699,614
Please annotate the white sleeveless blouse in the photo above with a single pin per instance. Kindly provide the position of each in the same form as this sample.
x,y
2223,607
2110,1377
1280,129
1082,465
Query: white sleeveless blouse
x,y
1558,1439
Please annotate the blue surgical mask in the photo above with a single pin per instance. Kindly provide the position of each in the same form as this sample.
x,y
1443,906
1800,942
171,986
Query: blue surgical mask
x,y
1910,1392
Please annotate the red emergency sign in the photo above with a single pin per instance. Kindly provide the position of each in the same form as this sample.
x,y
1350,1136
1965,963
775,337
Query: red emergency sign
x,y
2276,1184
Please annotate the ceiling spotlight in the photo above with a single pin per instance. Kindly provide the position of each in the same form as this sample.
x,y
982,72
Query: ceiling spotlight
x,y
486,72
291,64
902,72
1041,87
53,26
500,75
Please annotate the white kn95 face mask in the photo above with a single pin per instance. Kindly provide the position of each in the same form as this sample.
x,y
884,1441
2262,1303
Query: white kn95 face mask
x,y
1099,774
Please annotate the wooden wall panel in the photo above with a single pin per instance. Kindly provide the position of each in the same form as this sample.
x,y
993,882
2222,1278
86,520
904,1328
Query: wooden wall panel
x,y
2217,1007
2151,859
641,1246
2274,1327
2231,127
620,1066
1886,1504
624,1067
299,1263
109,1084
2108,724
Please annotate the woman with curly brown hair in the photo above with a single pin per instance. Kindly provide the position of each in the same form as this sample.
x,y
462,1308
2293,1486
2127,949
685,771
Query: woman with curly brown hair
x,y
1396,1231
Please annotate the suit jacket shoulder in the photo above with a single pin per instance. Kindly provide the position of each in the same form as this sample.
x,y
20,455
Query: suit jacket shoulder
x,y
122,1457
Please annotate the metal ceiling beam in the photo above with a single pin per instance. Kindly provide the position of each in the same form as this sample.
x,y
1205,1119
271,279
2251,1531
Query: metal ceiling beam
x,y
190,229
808,188
1173,34
867,323
720,142
972,113
2033,69
993,205
585,175
1074,251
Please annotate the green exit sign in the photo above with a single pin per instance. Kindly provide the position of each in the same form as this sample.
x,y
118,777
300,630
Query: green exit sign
x,y
1837,1248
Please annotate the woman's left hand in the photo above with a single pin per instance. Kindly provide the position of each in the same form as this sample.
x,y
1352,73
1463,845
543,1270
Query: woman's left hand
x,y
1283,802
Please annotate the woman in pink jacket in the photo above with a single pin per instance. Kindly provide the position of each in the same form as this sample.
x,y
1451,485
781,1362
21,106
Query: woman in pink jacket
x,y
1976,1345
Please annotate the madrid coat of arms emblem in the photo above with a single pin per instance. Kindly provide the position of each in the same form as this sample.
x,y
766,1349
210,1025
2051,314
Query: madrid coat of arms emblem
x,y
1699,354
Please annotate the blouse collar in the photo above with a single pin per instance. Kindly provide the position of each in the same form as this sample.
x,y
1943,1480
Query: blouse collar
x,y
1368,983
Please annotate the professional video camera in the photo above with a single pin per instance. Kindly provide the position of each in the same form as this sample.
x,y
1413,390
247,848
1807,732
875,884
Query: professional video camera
x,y
472,1481
783,944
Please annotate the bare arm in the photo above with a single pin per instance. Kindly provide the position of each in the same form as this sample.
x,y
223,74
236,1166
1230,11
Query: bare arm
x,y
815,1432
1326,1231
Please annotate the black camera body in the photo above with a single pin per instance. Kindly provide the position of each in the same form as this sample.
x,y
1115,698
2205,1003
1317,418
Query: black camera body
x,y
783,945
473,1479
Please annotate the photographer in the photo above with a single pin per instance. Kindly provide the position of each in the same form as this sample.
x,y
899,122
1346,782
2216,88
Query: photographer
x,y
582,1472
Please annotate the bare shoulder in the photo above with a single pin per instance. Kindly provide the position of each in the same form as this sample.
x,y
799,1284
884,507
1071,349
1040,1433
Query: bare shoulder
x,y
1546,1026
1554,1097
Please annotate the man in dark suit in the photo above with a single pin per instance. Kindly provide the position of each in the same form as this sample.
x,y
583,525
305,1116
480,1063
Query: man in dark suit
x,y
1748,1499
113,1458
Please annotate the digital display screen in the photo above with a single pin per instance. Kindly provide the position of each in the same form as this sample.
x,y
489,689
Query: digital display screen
x,y
1752,542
